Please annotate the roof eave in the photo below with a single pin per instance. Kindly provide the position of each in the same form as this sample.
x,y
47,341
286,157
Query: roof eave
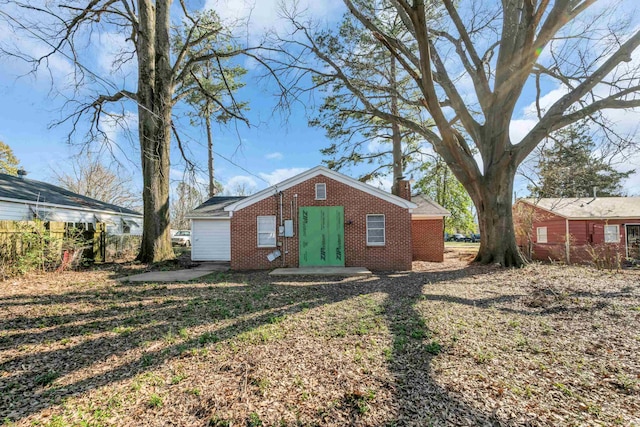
x,y
319,170
54,205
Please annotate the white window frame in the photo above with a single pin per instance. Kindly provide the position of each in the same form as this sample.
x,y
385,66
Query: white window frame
x,y
270,231
608,235
321,185
384,233
541,237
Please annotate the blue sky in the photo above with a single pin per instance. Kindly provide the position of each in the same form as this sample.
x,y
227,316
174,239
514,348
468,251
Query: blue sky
x,y
272,149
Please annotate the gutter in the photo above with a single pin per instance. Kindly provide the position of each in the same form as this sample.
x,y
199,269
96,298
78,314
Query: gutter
x,y
68,207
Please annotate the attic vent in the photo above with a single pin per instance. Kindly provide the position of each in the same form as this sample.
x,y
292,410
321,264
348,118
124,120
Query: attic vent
x,y
321,191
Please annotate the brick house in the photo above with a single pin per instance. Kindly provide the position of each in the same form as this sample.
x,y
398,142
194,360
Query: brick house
x,y
317,218
579,230
427,229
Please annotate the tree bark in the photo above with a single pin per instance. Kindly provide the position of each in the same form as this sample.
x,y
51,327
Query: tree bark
x,y
155,93
396,137
492,199
212,184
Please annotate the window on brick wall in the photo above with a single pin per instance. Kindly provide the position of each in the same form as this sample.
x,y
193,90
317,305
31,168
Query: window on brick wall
x,y
375,230
321,191
612,233
542,234
267,231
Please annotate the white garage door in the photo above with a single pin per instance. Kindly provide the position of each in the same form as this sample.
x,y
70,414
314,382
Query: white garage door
x,y
211,240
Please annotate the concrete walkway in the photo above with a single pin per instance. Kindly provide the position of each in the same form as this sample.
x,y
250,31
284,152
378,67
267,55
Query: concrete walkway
x,y
178,275
321,271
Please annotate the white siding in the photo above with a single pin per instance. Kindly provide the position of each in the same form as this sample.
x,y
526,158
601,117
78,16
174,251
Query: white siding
x,y
14,211
211,239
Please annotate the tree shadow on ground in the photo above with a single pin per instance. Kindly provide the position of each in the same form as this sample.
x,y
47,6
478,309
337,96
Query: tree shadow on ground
x,y
107,338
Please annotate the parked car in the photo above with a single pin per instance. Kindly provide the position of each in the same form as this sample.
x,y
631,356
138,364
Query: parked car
x,y
475,237
182,238
457,238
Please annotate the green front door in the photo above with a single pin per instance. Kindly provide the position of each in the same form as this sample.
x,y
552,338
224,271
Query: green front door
x,y
321,231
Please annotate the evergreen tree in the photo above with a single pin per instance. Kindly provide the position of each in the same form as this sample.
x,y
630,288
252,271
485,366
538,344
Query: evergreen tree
x,y
210,86
569,167
360,137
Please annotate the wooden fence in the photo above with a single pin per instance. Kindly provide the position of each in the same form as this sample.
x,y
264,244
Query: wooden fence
x,y
58,239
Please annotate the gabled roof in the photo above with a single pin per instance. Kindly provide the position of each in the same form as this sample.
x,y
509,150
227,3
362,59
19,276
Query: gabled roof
x,y
214,207
320,170
590,208
427,207
23,190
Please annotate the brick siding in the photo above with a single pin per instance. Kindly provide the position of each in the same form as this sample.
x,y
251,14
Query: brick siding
x,y
394,255
427,236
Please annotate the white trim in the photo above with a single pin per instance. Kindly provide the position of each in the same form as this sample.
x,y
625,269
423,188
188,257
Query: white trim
x,y
320,170
324,185
258,232
419,217
225,218
546,236
384,230
617,226
67,207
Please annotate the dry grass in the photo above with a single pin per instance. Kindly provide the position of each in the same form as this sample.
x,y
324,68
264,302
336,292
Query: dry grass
x,y
444,345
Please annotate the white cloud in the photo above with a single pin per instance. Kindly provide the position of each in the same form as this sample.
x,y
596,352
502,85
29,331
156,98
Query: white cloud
x,y
274,156
384,182
519,128
112,50
240,183
259,16
55,68
116,124
280,175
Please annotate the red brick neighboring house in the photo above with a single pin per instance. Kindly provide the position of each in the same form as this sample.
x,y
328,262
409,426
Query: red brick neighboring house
x,y
579,230
427,229
319,217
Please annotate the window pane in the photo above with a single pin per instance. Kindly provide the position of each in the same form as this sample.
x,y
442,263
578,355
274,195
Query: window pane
x,y
611,234
266,230
542,234
376,233
266,239
375,229
375,221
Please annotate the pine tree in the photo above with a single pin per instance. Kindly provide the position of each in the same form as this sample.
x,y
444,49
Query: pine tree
x,y
570,168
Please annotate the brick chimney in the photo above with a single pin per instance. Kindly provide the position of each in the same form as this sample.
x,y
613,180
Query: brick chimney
x,y
404,189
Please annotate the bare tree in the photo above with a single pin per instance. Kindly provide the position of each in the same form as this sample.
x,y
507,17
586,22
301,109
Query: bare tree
x,y
506,51
64,27
188,197
92,178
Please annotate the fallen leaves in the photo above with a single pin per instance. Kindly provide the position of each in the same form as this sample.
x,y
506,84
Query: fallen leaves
x,y
447,344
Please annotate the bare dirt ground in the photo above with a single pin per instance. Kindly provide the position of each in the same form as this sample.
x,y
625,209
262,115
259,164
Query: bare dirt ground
x,y
446,344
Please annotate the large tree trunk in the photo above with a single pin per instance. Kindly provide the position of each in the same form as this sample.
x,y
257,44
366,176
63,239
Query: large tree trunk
x,y
155,91
396,136
493,203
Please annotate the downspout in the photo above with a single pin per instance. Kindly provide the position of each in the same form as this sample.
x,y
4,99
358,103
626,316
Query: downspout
x,y
567,244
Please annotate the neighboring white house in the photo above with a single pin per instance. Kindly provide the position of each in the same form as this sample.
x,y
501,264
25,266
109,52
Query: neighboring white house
x,y
23,199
